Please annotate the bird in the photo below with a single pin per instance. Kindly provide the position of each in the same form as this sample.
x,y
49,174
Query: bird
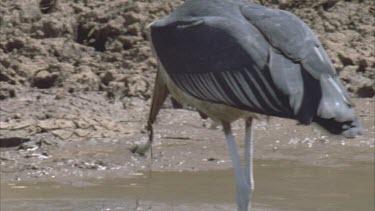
x,y
233,60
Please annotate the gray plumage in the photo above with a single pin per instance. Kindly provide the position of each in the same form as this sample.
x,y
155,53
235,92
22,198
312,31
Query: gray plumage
x,y
233,60
253,58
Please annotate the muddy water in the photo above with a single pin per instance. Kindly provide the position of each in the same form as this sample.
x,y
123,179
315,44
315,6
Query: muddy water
x,y
280,185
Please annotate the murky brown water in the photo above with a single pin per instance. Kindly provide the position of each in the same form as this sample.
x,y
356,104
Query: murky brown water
x,y
280,185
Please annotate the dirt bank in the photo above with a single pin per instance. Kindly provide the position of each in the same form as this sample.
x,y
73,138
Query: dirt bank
x,y
101,45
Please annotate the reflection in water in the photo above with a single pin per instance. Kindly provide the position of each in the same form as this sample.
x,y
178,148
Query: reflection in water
x,y
280,185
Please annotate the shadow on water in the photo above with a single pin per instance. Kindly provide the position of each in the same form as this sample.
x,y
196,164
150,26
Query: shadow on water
x,y
280,185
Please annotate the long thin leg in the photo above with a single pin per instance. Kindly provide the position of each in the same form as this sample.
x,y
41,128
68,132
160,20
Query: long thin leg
x,y
249,155
241,183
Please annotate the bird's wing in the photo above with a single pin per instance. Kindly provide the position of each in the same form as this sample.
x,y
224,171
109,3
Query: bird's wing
x,y
290,35
294,39
220,60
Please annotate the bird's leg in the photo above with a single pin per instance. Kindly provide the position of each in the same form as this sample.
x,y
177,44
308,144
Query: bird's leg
x,y
241,183
249,155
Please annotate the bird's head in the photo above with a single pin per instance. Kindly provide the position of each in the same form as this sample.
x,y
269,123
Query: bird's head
x,y
349,129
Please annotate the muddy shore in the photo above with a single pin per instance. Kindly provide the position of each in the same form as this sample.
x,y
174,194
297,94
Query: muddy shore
x,y
86,136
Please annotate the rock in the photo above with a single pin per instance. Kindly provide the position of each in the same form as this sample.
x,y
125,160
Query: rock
x,y
134,103
283,4
134,29
107,76
15,44
47,6
29,145
44,79
7,92
52,27
366,90
127,42
356,82
84,80
133,17
29,10
349,57
116,89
